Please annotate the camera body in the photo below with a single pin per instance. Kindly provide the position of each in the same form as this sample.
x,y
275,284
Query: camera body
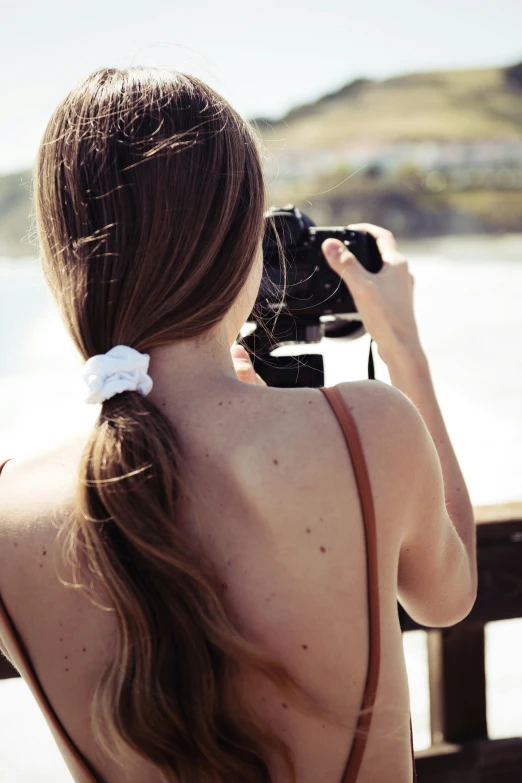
x,y
310,303
313,289
316,301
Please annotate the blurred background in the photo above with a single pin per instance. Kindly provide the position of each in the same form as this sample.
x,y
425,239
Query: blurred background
x,y
404,114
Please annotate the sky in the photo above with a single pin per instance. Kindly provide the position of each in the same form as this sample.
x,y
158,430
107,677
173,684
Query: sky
x,y
264,57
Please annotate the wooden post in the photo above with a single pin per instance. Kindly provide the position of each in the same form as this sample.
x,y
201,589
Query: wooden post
x,y
457,677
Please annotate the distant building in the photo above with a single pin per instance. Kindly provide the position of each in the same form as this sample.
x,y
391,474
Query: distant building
x,y
464,162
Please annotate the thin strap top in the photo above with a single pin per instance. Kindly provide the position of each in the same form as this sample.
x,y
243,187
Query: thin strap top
x,y
78,766
80,769
353,441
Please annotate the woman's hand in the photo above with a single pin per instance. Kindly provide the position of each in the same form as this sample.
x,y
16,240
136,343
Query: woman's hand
x,y
243,366
385,299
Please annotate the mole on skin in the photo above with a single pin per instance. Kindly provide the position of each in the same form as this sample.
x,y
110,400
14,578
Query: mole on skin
x,y
276,462
322,549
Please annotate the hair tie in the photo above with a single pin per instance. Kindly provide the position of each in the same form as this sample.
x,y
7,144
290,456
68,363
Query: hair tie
x,y
120,369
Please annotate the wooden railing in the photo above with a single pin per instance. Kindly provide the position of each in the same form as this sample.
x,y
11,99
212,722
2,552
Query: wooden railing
x,y
461,751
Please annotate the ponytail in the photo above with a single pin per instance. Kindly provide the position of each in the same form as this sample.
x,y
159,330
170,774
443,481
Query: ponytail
x,y
168,694
149,199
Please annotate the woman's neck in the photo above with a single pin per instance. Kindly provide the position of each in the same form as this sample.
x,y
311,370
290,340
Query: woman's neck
x,y
188,373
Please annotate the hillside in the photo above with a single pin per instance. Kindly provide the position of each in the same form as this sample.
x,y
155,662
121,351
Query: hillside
x,y
470,106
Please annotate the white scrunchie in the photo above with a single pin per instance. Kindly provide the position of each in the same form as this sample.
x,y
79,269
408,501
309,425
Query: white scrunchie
x,y
120,369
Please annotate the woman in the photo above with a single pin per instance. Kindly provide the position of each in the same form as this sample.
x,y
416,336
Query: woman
x,y
237,550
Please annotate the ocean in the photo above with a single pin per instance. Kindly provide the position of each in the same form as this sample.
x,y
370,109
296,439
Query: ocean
x,y
468,304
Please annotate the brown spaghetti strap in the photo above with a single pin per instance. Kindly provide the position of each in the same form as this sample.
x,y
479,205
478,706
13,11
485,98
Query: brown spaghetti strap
x,y
413,754
4,463
79,767
353,441
77,764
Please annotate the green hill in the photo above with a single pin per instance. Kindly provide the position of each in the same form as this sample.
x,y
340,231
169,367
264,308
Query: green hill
x,y
324,156
469,105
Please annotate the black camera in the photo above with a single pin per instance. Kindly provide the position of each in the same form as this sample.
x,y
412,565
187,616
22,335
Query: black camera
x,y
310,303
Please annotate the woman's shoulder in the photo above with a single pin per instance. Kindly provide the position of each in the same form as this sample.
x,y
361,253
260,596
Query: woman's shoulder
x,y
391,431
384,415
384,418
35,490
35,481
374,397
299,433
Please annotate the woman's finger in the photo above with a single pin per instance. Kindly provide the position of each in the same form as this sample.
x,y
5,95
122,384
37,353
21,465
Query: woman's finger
x,y
342,261
239,352
243,366
386,242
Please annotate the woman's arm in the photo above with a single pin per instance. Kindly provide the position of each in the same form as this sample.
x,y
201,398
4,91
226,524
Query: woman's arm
x,y
437,578
410,373
437,573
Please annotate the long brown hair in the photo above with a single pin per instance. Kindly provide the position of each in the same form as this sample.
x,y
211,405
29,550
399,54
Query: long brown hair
x,y
149,198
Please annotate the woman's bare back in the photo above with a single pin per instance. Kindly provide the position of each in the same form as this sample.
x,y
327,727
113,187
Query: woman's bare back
x,y
279,514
